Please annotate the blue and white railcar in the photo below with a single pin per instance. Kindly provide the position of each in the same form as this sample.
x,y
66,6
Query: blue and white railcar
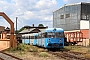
x,y
51,38
26,38
29,38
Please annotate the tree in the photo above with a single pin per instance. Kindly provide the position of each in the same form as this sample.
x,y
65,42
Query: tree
x,y
21,29
40,25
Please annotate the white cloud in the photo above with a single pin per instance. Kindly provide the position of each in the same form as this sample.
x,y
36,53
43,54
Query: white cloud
x,y
27,15
50,18
65,0
45,4
29,11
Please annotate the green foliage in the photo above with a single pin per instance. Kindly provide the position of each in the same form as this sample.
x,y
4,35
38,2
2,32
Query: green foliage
x,y
40,25
22,47
43,54
12,49
21,29
17,31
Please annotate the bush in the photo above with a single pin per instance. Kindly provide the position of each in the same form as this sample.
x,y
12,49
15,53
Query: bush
x,y
22,47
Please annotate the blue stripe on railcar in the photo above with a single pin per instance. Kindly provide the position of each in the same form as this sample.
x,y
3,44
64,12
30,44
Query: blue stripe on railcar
x,y
34,43
35,39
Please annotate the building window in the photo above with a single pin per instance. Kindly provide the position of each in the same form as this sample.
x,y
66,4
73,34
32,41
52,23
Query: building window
x,y
61,16
8,37
0,36
67,15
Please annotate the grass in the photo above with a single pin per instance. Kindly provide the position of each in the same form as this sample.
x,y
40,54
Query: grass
x,y
84,50
23,49
33,48
77,49
20,49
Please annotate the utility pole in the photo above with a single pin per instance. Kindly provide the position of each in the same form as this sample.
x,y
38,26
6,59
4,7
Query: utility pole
x,y
16,25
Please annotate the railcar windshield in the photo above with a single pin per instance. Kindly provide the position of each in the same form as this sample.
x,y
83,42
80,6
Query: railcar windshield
x,y
55,34
51,35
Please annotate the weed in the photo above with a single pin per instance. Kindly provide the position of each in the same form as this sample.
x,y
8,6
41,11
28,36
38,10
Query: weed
x,y
87,55
43,54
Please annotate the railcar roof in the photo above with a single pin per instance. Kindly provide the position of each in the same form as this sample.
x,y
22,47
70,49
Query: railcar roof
x,y
33,34
52,29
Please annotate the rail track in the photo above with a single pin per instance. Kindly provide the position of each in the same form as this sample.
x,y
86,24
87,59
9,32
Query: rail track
x,y
69,55
5,56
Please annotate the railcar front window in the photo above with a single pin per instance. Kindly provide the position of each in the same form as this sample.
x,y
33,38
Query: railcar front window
x,y
51,35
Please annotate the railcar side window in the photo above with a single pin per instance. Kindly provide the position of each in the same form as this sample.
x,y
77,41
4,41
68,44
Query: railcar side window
x,y
24,37
29,37
49,35
58,34
45,35
35,37
39,36
32,37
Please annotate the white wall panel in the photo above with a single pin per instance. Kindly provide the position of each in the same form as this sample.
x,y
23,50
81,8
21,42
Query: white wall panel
x,y
84,24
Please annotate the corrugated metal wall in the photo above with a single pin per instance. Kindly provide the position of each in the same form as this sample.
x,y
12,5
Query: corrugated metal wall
x,y
67,17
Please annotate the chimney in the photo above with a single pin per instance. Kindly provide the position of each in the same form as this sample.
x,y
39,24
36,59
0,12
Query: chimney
x,y
32,25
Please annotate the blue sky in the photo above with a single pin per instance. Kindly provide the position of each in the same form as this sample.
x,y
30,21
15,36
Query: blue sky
x,y
32,11
9,1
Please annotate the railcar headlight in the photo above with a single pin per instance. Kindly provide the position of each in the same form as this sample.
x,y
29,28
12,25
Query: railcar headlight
x,y
49,40
60,40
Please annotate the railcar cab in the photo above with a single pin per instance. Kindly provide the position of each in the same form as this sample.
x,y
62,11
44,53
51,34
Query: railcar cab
x,y
51,38
55,39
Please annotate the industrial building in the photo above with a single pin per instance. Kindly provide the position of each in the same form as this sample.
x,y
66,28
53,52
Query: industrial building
x,y
74,18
